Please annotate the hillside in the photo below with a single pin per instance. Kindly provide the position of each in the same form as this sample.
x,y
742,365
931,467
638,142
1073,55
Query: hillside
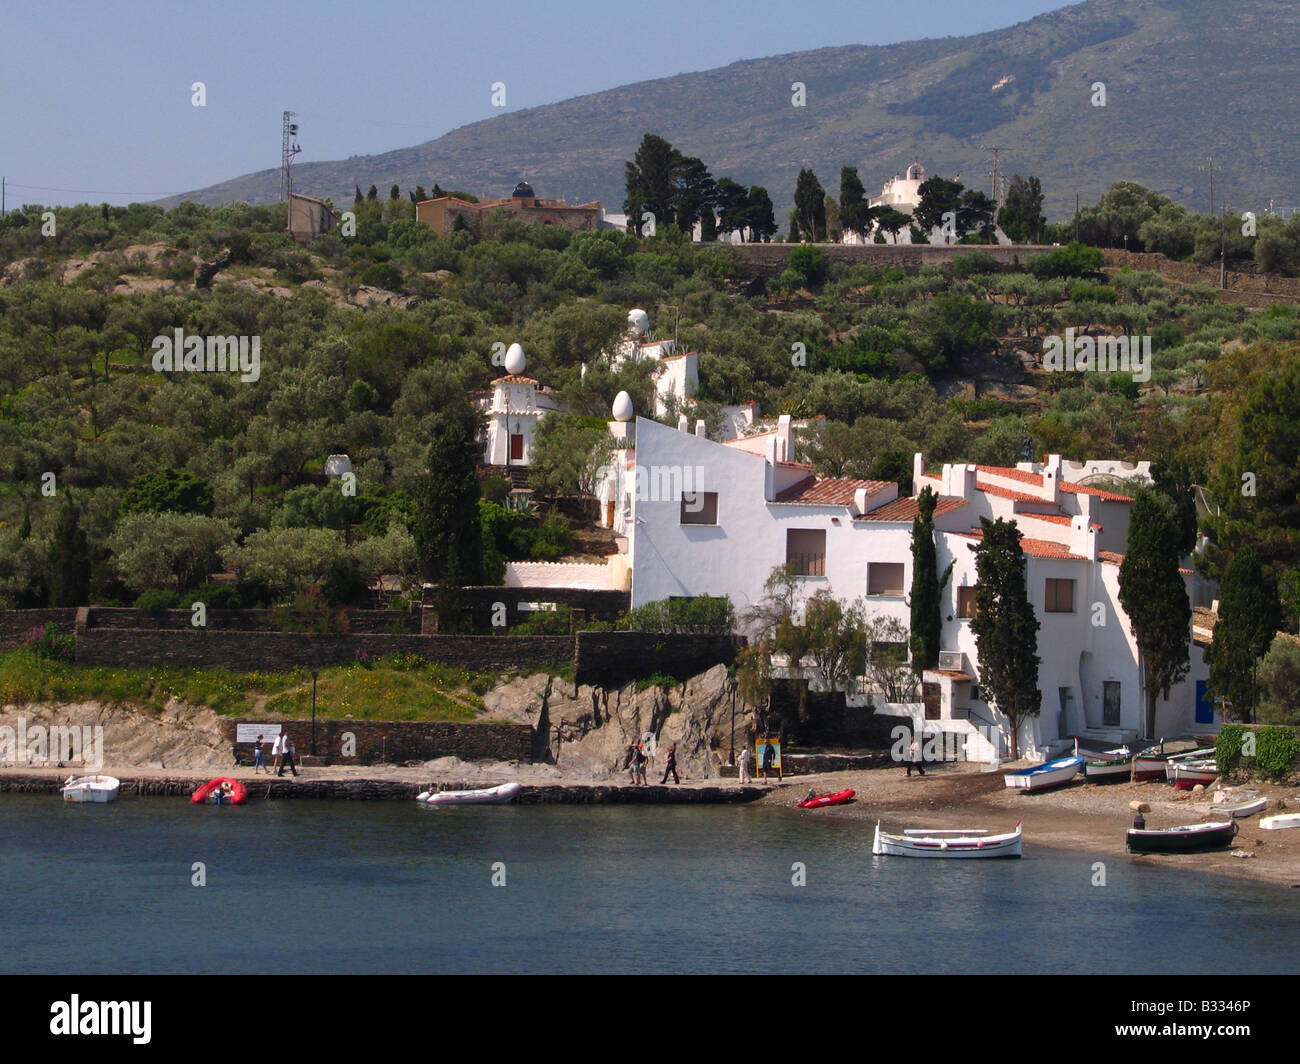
x,y
1183,81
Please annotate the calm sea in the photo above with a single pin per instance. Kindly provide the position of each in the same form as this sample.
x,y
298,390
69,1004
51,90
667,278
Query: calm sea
x,y
303,886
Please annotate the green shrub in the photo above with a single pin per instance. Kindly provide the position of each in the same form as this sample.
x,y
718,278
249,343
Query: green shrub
x,y
1275,750
657,679
157,599
1227,748
54,645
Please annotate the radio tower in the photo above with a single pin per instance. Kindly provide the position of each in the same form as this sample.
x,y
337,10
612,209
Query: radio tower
x,y
288,149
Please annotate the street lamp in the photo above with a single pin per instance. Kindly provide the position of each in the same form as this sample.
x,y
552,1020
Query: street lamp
x,y
312,746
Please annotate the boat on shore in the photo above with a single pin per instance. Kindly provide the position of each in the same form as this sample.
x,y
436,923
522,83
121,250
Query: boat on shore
x,y
942,842
1186,838
91,789
1187,773
1282,820
1239,807
1041,777
822,800
1108,765
220,791
1153,763
499,795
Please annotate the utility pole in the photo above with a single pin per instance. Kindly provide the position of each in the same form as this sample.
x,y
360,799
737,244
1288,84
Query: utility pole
x,y
1076,217
288,149
1223,249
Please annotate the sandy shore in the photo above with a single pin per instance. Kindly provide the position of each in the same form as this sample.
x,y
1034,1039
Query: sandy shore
x,y
1090,818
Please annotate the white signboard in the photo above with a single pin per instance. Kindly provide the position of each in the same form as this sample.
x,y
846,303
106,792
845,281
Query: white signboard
x,y
248,733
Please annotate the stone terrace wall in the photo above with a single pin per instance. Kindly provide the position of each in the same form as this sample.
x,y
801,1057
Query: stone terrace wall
x,y
247,651
373,621
394,742
599,605
611,659
1261,289
15,625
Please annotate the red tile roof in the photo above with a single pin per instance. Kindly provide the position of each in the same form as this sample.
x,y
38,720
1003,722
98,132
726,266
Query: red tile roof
x,y
511,379
1056,519
1012,473
905,509
1088,489
1005,493
829,491
1035,548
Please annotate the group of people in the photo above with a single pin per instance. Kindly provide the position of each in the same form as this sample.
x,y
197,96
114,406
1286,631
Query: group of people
x,y
768,764
283,754
637,759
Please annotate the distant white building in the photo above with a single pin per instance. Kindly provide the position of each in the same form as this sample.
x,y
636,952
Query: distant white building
x,y
516,406
902,191
706,518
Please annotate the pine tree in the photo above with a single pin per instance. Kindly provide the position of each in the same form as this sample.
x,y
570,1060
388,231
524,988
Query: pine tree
x,y
359,198
1248,620
394,193
810,206
446,529
855,215
69,559
373,194
759,215
649,179
1021,217
1154,597
1005,628
927,586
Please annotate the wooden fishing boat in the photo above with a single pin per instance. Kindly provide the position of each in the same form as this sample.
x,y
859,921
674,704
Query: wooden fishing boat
x,y
499,795
1152,764
1187,838
1048,774
1240,806
91,789
1108,766
838,798
956,842
1186,774
1282,820
220,791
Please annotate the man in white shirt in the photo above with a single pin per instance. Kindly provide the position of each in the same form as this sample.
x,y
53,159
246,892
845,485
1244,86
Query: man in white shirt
x,y
277,752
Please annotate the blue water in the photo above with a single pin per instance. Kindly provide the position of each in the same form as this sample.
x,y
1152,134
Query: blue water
x,y
303,886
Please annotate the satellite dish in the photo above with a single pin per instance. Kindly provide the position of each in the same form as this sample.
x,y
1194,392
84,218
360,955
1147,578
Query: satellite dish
x,y
622,409
639,320
515,361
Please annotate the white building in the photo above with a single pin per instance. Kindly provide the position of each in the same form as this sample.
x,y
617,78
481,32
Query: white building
x,y
902,191
704,518
512,413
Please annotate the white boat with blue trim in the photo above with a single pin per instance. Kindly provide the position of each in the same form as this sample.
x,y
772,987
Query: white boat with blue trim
x,y
944,842
1048,774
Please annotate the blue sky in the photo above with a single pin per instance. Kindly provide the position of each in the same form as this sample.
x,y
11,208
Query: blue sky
x,y
97,97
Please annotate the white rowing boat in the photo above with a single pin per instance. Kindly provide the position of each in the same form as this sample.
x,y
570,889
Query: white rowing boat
x,y
944,842
1238,805
90,789
499,795
1186,774
1282,820
1040,777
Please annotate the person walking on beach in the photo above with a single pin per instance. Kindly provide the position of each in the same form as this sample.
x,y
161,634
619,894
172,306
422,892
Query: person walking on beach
x,y
744,765
258,760
671,766
769,758
914,757
642,759
288,757
630,764
277,754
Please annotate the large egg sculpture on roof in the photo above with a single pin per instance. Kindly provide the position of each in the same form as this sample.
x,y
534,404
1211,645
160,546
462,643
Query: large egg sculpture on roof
x,y
515,361
622,410
639,320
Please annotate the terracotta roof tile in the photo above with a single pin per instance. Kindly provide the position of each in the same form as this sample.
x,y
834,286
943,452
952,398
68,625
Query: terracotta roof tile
x,y
1004,493
906,509
829,491
1036,548
1088,489
1012,473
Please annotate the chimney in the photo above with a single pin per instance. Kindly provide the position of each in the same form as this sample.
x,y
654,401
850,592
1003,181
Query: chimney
x,y
683,425
1052,479
918,471
699,429
785,434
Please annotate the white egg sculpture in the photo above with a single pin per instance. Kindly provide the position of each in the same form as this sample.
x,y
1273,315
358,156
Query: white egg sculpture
x,y
515,361
622,410
639,320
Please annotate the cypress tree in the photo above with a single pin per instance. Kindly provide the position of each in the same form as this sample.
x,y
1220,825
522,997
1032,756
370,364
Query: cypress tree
x,y
69,559
1154,597
927,585
1006,630
1248,616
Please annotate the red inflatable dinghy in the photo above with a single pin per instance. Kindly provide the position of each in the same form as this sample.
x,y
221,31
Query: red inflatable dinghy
x,y
220,791
838,798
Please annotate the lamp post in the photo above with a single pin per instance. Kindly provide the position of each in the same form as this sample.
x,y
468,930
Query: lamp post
x,y
312,746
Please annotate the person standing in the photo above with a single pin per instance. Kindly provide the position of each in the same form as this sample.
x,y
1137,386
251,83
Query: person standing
x,y
744,765
914,757
642,758
671,766
258,760
769,758
288,758
277,754
630,764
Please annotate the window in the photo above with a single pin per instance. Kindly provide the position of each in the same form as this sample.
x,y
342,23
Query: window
x,y
805,550
1060,596
885,578
966,602
699,507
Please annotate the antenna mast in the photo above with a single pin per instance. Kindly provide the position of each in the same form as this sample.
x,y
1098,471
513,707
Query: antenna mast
x,y
288,149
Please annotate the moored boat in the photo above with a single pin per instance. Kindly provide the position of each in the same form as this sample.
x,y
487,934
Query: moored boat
x,y
838,798
1108,766
1186,838
1282,820
942,842
220,791
1240,806
1048,774
90,789
1153,763
1186,774
498,795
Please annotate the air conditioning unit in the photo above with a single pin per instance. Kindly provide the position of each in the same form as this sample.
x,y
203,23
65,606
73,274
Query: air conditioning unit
x,y
951,660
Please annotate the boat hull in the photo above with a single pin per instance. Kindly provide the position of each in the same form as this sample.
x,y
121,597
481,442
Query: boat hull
x,y
230,792
1190,838
821,801
1186,775
947,845
501,795
1107,771
1241,809
92,789
1283,820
